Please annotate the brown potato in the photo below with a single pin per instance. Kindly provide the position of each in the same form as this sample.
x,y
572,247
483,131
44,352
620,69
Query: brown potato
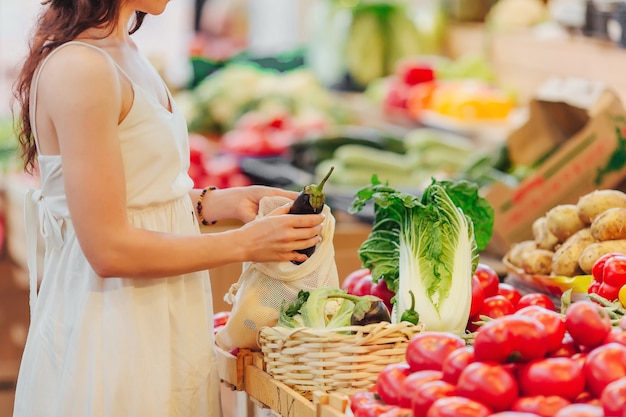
x,y
517,250
565,260
563,221
545,238
594,251
610,224
592,204
537,261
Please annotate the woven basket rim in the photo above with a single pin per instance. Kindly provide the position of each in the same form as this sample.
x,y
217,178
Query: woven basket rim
x,y
359,334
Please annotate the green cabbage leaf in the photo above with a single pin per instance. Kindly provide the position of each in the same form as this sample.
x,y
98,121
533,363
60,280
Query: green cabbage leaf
x,y
428,246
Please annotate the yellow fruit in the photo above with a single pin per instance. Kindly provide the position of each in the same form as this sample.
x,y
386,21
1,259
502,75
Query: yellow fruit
x,y
622,295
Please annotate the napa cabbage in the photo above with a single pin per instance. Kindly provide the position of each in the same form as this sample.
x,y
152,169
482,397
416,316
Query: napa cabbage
x,y
427,247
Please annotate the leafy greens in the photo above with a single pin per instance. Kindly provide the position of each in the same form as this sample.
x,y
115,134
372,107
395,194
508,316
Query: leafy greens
x,y
427,245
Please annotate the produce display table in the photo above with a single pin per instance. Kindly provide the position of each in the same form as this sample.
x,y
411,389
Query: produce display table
x,y
256,393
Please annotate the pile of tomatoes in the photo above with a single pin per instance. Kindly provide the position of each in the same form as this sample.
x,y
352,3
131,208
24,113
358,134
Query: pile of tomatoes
x,y
532,362
492,298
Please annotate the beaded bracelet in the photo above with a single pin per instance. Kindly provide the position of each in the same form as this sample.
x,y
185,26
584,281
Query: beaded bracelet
x,y
199,205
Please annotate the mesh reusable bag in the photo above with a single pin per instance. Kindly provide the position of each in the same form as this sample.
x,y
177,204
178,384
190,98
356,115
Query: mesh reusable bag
x,y
262,288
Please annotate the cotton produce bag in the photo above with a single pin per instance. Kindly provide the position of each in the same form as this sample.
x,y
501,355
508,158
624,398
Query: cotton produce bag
x,y
264,288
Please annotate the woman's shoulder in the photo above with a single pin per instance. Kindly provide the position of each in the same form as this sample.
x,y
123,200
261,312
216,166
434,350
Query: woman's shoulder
x,y
79,62
86,72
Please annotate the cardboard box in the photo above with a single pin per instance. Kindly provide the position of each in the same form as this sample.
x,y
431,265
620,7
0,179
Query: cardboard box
x,y
576,136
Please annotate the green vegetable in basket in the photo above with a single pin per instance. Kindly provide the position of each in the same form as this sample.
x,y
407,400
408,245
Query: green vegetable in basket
x,y
330,308
427,248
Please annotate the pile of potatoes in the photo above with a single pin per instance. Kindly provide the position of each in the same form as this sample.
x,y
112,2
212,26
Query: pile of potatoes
x,y
571,237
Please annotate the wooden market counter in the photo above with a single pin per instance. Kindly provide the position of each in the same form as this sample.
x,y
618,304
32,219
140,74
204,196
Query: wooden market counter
x,y
264,395
523,59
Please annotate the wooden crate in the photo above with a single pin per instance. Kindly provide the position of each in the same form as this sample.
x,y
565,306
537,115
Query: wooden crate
x,y
331,405
280,400
273,394
231,368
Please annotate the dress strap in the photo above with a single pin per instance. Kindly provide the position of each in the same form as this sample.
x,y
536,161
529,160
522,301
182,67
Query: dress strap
x,y
43,63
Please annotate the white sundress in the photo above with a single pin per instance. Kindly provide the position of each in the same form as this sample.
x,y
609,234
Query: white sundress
x,y
119,347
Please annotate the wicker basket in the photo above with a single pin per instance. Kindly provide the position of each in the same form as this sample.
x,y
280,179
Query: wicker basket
x,y
343,360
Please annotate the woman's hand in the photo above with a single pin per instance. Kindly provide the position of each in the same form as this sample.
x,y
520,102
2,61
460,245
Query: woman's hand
x,y
241,203
277,236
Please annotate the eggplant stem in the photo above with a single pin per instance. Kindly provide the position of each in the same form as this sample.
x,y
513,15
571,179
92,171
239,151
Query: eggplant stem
x,y
323,181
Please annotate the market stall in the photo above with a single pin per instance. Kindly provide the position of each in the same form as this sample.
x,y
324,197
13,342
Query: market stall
x,y
473,168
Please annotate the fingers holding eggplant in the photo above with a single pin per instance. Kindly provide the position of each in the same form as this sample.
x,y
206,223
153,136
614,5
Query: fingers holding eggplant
x,y
277,237
310,200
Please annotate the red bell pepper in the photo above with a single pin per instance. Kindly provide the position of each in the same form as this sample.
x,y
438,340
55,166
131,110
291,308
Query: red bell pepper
x,y
610,269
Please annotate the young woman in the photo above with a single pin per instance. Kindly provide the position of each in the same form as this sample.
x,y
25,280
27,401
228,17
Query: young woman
x,y
121,324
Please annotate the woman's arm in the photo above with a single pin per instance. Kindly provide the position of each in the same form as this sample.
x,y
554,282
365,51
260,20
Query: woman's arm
x,y
239,203
84,97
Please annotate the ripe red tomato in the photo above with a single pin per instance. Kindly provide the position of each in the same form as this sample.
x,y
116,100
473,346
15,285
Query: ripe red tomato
x,y
567,349
428,350
515,414
496,306
457,407
456,361
478,296
587,322
428,394
510,293
513,338
382,291
352,278
397,412
613,398
545,406
493,342
488,383
552,376
616,335
580,410
413,383
363,399
604,365
363,286
488,278
536,298
390,380
374,410
551,320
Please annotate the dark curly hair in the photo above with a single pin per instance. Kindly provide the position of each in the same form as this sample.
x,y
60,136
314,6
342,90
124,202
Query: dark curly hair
x,y
59,22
